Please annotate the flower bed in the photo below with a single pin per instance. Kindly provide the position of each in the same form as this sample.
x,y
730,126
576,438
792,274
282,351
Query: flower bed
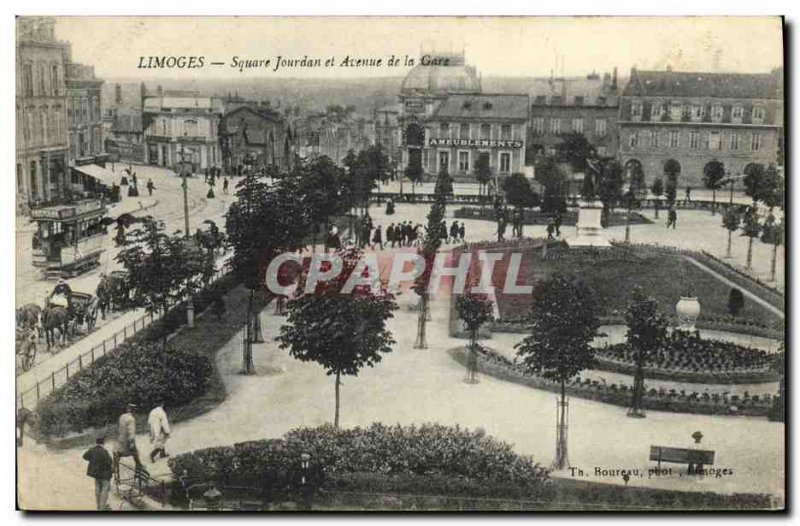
x,y
687,357
430,458
493,364
532,217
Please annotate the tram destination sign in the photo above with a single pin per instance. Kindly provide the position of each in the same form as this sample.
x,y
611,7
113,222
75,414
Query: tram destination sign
x,y
475,143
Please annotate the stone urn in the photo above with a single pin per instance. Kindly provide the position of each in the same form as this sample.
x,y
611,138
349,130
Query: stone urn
x,y
590,232
688,310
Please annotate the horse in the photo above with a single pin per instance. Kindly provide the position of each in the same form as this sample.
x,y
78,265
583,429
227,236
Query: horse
x,y
28,316
83,309
112,293
55,318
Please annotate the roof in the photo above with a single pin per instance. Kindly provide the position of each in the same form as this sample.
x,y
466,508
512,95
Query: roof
x,y
261,111
189,103
103,175
567,89
482,107
455,77
699,84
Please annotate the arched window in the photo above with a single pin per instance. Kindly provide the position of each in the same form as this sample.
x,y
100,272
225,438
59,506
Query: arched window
x,y
55,85
190,128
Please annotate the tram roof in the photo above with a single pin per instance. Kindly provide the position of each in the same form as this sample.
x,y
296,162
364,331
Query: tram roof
x,y
69,213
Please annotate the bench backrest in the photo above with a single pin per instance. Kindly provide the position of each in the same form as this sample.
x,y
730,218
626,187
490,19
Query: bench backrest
x,y
679,455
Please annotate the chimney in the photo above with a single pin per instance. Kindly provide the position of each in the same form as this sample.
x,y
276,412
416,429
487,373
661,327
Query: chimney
x,y
614,77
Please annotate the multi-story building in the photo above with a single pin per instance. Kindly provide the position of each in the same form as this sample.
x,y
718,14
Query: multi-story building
x,y
464,126
254,137
386,121
586,105
122,120
41,112
673,123
84,118
180,131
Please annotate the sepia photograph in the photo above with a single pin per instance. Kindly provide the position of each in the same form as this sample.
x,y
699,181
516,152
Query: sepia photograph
x,y
309,264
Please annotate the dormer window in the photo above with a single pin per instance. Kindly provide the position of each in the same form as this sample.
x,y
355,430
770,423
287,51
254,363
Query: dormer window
x,y
737,112
758,113
487,105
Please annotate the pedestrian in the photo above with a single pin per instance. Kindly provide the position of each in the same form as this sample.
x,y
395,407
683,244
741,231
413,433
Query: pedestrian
x,y
101,469
454,231
557,223
462,231
688,194
127,439
377,237
225,186
672,218
404,234
551,228
159,431
307,476
390,234
150,186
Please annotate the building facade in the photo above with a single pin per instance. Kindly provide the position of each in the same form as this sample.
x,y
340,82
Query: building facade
x,y
122,120
180,131
254,137
587,105
41,112
674,123
84,117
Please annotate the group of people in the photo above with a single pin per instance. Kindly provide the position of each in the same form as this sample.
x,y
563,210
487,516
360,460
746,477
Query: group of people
x,y
404,234
102,465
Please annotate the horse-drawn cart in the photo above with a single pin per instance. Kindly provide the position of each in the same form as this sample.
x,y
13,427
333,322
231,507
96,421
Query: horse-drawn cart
x,y
68,238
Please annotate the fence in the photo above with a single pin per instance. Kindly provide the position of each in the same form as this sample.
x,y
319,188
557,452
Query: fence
x,y
31,396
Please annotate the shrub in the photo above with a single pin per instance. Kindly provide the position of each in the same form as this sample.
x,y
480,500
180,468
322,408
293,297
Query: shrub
x,y
430,458
141,373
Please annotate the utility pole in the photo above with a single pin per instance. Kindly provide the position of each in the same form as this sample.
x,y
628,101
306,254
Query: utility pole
x,y
185,187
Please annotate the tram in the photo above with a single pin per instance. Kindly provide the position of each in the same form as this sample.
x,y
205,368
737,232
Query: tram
x,y
69,238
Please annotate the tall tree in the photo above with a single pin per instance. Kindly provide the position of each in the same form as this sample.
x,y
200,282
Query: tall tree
x,y
319,183
713,176
414,171
430,245
574,149
646,330
565,319
773,233
518,191
483,174
672,170
752,229
610,185
731,220
552,178
340,330
657,189
474,309
444,183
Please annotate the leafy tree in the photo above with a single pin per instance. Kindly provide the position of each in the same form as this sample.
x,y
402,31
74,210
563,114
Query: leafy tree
x,y
552,178
474,309
343,332
752,229
657,189
735,302
263,222
574,149
518,191
444,183
646,330
764,184
483,174
713,176
565,319
773,233
672,169
363,171
754,181
609,186
318,185
731,220
414,170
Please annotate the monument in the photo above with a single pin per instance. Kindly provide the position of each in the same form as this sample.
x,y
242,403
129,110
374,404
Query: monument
x,y
590,232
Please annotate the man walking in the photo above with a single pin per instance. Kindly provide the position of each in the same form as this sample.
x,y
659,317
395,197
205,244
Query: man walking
x,y
390,234
159,431
100,469
150,186
225,186
127,440
377,237
672,218
307,477
688,194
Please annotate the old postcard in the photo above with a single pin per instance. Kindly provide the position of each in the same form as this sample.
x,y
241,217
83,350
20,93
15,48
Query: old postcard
x,y
400,264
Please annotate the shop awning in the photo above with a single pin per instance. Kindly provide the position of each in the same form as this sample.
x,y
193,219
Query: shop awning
x,y
103,175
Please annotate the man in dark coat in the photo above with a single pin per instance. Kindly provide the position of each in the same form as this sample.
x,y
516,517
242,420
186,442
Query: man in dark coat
x,y
390,234
306,477
100,469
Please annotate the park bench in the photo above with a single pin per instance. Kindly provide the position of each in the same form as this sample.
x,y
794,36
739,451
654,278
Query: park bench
x,y
679,455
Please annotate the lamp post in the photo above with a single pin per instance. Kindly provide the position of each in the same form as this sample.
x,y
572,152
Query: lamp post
x,y
185,187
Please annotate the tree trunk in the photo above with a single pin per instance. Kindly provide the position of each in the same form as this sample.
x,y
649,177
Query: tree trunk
x,y
713,201
561,461
628,225
728,254
749,252
421,342
772,265
638,387
248,346
656,207
336,414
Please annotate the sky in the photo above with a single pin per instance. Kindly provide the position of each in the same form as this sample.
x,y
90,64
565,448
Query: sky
x,y
500,46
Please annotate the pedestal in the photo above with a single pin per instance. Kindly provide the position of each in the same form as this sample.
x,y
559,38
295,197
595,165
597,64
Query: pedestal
x,y
589,227
688,310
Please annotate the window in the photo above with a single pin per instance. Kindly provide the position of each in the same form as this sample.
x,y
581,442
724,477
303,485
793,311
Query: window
x,y
555,126
463,131
577,125
654,140
716,113
54,83
675,111
19,178
636,109
578,100
698,112
444,130
463,162
734,141
686,111
755,142
656,110
714,141
646,138
27,80
737,112
34,188
674,138
538,125
505,162
42,82
425,158
694,140
556,100
540,100
600,127
444,161
601,101
633,139
505,132
190,128
486,131
758,113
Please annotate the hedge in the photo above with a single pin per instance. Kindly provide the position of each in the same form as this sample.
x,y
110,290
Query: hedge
x,y
426,458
